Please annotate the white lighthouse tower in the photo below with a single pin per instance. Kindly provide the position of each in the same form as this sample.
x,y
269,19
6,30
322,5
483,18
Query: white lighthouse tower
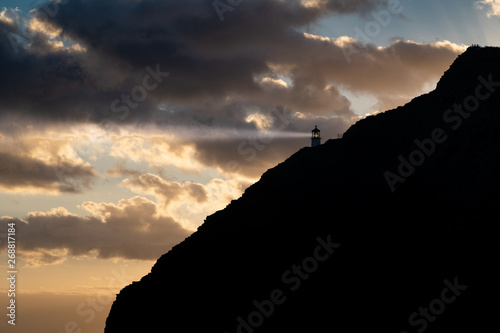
x,y
316,137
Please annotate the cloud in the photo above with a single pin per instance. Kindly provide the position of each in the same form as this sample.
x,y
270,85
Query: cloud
x,y
135,228
45,257
244,151
34,165
403,68
157,151
215,75
167,190
27,175
492,7
131,229
9,16
187,202
120,170
49,77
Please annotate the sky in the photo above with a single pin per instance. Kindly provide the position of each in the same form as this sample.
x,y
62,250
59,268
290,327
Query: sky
x,y
124,123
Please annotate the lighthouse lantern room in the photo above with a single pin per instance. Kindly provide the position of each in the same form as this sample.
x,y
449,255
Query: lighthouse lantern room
x,y
316,137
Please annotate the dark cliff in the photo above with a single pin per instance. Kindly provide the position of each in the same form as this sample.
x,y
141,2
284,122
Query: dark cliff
x,y
393,228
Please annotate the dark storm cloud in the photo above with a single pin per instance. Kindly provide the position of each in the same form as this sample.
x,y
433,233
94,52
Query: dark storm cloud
x,y
46,81
208,59
30,81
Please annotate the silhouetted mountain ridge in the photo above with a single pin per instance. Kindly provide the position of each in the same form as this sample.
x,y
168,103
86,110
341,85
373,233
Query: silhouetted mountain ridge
x,y
396,244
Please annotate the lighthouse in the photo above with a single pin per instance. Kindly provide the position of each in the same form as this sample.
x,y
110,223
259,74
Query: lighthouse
x,y
316,137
